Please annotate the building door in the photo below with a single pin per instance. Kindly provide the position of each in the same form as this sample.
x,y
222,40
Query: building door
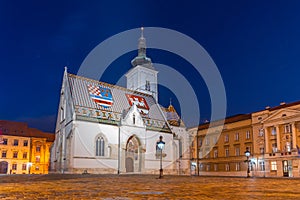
x,y
3,167
133,154
129,165
287,168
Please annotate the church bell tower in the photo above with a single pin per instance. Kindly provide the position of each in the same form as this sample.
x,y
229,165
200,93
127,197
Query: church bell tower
x,y
142,77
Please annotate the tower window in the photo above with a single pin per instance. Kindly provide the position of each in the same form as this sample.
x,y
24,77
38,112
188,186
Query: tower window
x,y
147,86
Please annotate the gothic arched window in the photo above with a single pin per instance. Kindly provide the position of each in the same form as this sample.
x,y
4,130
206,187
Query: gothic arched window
x,y
100,145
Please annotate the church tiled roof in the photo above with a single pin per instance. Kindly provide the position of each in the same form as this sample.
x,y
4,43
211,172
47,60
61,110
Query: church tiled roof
x,y
172,116
87,106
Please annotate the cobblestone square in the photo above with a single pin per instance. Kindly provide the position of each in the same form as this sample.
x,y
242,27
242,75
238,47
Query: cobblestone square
x,y
66,186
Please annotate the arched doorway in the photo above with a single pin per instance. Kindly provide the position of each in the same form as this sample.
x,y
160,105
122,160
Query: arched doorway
x,y
133,155
3,167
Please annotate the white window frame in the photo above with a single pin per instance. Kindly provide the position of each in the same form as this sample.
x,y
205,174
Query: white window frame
x,y
237,151
227,167
215,153
226,138
247,134
238,167
273,166
226,152
237,136
273,130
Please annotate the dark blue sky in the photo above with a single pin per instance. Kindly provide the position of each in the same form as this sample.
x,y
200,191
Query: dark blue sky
x,y
254,44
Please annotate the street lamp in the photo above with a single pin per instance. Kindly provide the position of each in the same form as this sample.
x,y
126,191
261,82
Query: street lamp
x,y
247,154
160,145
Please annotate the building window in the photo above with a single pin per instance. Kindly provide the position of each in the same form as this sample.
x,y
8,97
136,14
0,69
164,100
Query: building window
x,y
201,167
100,146
207,141
227,167
15,154
261,132
25,155
215,140
25,143
237,136
215,153
216,167
14,166
24,166
133,118
226,152
248,148
273,166
200,142
274,147
288,147
262,166
288,128
4,141
37,159
208,167
16,142
273,130
147,86
38,149
237,151
226,138
37,168
247,135
237,166
4,154
262,150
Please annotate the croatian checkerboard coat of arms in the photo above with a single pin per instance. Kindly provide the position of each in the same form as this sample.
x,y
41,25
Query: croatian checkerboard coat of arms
x,y
101,96
140,102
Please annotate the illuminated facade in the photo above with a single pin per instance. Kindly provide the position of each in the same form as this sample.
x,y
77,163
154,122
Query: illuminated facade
x,y
103,128
277,141
221,148
271,136
24,150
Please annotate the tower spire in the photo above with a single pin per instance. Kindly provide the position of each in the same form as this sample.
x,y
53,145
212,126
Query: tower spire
x,y
142,44
142,58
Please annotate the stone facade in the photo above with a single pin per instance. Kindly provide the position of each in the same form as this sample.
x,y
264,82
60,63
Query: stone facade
x,y
24,150
272,136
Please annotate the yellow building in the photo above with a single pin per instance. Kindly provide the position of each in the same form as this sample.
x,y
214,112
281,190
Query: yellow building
x,y
277,141
221,148
271,136
23,150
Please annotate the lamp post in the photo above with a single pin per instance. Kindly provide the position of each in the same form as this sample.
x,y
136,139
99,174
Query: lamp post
x,y
247,154
160,145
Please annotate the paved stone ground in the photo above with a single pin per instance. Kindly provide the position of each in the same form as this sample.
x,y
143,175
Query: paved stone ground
x,y
114,187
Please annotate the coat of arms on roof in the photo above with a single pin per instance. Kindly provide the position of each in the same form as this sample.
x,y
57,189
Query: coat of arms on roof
x,y
140,103
100,95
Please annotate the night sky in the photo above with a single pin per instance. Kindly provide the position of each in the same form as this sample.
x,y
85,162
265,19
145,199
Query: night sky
x,y
255,45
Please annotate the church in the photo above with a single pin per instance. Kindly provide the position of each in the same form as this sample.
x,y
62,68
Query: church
x,y
107,129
